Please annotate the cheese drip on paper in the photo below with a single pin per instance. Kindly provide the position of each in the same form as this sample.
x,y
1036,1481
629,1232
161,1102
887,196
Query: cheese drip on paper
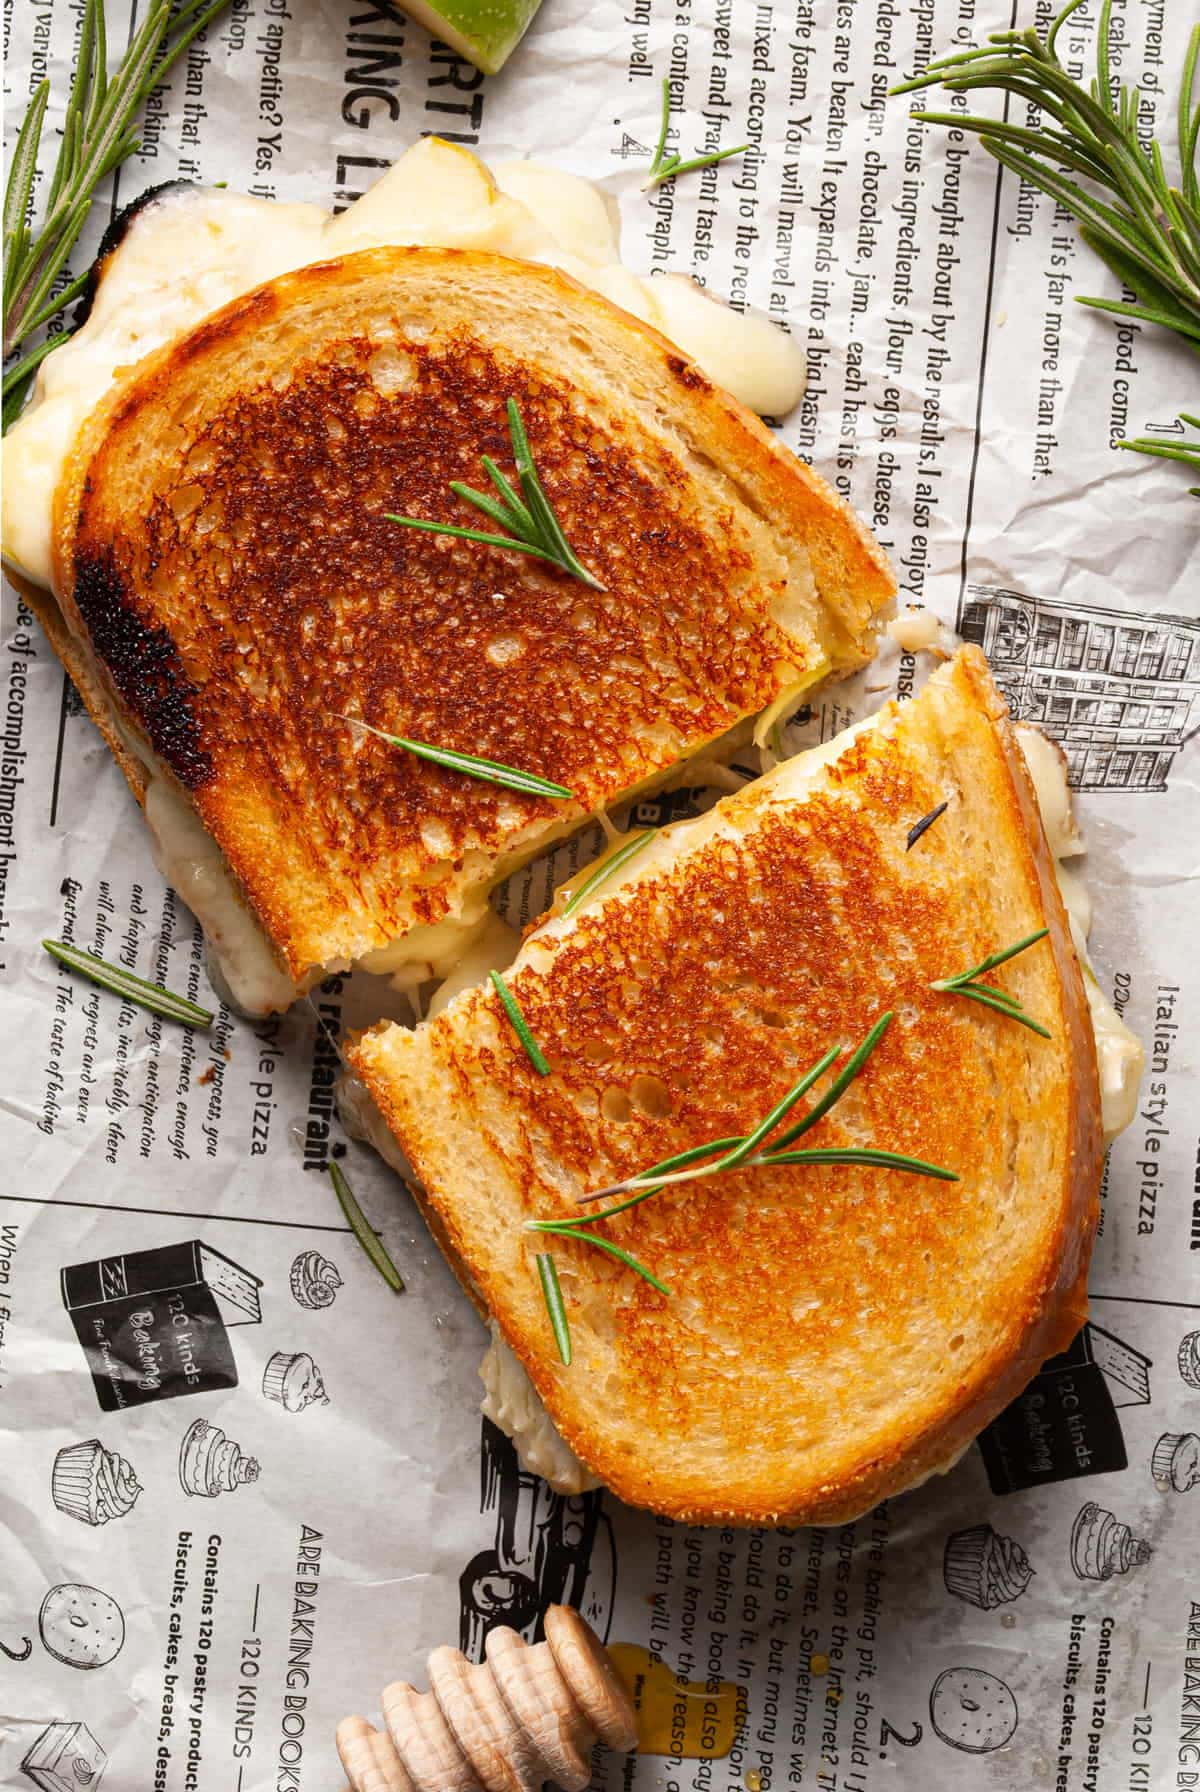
x,y
196,249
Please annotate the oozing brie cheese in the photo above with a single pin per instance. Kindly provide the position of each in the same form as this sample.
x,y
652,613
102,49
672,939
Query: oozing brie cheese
x,y
511,1401
195,249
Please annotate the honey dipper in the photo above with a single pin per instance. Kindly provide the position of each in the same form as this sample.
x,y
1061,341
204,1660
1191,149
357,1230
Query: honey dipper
x,y
526,1714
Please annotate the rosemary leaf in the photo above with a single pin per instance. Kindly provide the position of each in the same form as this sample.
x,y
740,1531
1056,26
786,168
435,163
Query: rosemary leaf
x,y
491,541
884,1160
363,1231
1186,451
566,1229
23,166
926,821
1001,995
555,1306
614,863
519,1024
977,995
121,982
489,771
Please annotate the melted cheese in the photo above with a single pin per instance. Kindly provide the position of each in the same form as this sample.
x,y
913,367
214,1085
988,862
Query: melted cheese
x,y
919,631
195,249
241,964
511,1401
1120,1057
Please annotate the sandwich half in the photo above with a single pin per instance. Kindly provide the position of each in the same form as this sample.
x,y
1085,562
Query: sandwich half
x,y
234,601
834,1331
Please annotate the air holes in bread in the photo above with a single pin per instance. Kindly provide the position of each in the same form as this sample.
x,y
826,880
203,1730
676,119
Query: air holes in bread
x,y
615,1105
503,649
651,1096
391,371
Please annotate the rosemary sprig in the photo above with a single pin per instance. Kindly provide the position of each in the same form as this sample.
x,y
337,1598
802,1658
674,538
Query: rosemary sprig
x,y
532,525
967,983
571,1229
555,1305
602,873
519,1024
489,771
121,982
1150,235
99,132
666,167
744,1152
363,1230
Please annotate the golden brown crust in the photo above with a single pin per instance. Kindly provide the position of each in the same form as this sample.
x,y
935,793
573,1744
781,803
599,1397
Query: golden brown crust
x,y
834,1333
221,537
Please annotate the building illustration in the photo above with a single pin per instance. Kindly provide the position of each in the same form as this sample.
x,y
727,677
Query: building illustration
x,y
1119,689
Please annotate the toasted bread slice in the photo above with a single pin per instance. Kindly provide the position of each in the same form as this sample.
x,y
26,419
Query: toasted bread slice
x,y
833,1333
223,555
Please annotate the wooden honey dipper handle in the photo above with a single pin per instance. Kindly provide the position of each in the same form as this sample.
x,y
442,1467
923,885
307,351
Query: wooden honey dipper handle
x,y
526,1714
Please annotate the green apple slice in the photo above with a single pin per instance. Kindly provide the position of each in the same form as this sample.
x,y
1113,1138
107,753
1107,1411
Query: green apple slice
x,y
486,32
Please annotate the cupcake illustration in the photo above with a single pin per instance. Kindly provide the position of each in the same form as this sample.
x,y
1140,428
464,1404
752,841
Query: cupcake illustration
x,y
1175,1463
93,1484
1188,1358
984,1568
211,1463
315,1280
1102,1546
294,1381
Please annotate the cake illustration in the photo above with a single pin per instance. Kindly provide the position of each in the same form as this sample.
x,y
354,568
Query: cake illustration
x,y
65,1758
1102,1546
211,1463
93,1484
1188,1359
985,1568
315,1280
294,1381
81,1626
972,1710
1175,1463
1127,1370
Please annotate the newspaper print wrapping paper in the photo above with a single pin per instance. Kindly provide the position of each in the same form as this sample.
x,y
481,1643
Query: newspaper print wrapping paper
x,y
302,1503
